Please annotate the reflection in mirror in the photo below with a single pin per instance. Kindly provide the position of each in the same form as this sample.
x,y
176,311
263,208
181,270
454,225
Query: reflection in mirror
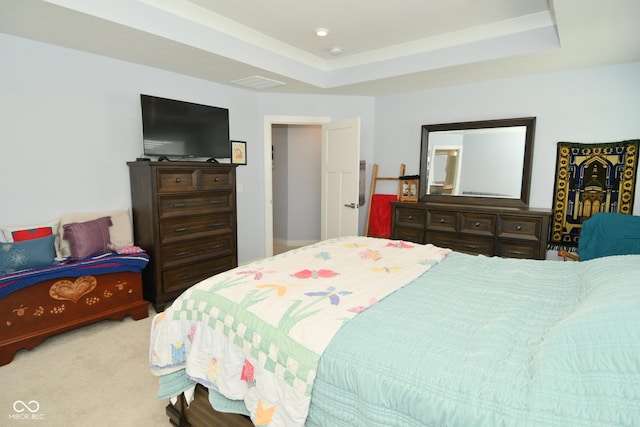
x,y
484,163
492,167
444,176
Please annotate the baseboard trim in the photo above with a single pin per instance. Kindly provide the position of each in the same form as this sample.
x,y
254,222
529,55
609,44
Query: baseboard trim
x,y
282,242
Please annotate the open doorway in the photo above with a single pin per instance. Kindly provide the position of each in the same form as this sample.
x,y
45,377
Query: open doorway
x,y
296,184
269,123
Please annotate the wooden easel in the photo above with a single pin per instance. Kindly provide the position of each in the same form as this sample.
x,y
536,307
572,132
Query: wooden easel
x,y
374,180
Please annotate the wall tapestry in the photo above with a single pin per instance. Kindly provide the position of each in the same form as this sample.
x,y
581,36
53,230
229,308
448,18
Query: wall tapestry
x,y
591,178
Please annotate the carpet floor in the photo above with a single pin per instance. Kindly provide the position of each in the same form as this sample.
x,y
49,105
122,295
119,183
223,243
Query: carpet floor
x,y
96,376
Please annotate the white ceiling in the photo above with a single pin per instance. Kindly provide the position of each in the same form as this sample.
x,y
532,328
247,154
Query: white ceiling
x,y
387,46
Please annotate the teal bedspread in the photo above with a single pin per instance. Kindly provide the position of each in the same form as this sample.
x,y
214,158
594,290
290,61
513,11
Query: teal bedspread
x,y
478,341
481,341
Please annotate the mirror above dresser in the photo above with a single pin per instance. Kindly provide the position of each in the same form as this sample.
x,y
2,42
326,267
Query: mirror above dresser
x,y
477,163
474,191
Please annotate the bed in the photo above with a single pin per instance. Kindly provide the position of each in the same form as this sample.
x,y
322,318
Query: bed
x,y
404,335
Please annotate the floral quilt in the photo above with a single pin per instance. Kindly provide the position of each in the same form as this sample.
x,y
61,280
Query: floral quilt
x,y
256,333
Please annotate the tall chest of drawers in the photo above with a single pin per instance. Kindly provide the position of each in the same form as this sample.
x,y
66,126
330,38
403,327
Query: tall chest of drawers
x,y
505,232
184,216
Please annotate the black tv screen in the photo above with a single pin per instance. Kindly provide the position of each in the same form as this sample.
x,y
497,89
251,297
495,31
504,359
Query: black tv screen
x,y
174,128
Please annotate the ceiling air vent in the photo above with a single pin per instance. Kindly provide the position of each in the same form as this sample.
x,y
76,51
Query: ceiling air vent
x,y
258,82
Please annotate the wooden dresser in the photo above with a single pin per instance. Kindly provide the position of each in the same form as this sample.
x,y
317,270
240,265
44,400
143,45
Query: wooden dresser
x,y
504,232
184,216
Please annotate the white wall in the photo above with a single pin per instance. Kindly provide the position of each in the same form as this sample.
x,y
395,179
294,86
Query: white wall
x,y
70,121
587,105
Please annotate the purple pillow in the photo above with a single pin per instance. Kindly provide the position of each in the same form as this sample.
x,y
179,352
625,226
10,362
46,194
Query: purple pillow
x,y
88,238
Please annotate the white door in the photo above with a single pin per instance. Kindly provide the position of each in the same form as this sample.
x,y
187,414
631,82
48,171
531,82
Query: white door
x,y
340,178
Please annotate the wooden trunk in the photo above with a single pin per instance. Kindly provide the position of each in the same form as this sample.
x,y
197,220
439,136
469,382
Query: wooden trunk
x,y
32,314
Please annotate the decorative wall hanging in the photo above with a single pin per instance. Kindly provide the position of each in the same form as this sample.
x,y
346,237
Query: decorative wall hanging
x,y
591,178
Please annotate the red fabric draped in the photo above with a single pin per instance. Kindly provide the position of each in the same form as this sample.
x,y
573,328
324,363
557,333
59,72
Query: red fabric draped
x,y
380,215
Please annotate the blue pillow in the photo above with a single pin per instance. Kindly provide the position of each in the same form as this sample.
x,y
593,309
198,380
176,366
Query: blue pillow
x,y
27,254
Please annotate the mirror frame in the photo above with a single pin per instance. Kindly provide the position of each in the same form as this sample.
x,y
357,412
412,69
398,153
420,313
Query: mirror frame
x,y
522,202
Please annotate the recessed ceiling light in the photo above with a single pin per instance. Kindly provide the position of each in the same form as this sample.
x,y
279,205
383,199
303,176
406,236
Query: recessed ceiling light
x,y
322,32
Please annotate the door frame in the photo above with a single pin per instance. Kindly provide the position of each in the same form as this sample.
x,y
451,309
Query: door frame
x,y
269,121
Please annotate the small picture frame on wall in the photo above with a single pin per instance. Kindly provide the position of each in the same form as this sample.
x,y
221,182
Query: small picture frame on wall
x,y
408,188
239,152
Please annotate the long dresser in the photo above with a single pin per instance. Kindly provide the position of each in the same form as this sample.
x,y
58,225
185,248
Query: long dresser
x,y
184,216
504,232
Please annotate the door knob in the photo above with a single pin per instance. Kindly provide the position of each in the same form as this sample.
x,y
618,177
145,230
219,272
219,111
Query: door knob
x,y
351,205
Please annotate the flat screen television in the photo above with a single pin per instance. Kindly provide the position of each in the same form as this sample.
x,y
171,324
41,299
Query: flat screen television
x,y
172,128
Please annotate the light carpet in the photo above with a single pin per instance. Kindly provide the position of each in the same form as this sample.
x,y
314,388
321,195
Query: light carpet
x,y
97,375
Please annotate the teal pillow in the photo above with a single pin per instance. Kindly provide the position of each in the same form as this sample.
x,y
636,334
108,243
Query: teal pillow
x,y
35,253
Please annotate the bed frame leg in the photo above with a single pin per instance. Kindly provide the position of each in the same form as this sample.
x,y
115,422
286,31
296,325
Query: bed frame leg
x,y
199,413
176,418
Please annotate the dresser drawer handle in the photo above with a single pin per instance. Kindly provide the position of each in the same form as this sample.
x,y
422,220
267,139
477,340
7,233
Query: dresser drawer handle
x,y
179,205
217,224
178,179
183,253
181,229
410,217
216,179
472,246
516,252
442,221
518,227
215,202
219,245
185,277
477,223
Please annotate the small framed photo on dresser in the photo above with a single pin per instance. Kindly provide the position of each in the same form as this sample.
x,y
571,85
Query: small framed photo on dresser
x,y
239,152
408,188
